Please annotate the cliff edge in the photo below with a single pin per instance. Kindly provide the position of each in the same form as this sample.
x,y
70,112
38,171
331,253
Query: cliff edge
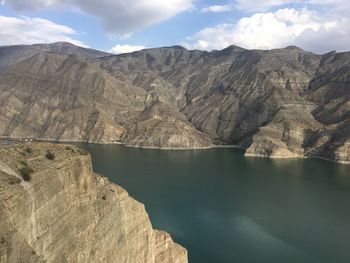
x,y
53,208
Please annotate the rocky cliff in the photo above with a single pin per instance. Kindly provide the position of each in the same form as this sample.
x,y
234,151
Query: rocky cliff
x,y
278,103
54,209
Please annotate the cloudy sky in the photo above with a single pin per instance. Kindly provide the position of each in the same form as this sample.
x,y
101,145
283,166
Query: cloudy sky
x,y
126,25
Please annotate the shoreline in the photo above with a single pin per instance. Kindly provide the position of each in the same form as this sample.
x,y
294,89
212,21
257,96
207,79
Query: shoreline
x,y
26,140
183,148
250,155
316,157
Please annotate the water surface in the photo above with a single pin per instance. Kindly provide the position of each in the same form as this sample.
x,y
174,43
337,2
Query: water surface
x,y
224,207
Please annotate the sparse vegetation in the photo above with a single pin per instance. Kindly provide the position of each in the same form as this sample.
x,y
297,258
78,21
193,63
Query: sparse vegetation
x,y
49,155
104,197
83,152
24,163
14,180
29,150
26,172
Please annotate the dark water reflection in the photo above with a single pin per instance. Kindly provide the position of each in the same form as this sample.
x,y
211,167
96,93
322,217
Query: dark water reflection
x,y
224,207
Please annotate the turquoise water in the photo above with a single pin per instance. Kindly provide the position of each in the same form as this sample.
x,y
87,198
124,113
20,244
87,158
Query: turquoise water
x,y
224,207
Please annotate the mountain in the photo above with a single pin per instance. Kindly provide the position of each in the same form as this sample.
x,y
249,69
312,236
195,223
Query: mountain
x,y
63,212
11,55
278,103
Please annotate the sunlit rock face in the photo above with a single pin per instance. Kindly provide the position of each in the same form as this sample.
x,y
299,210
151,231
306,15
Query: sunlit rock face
x,y
66,213
278,103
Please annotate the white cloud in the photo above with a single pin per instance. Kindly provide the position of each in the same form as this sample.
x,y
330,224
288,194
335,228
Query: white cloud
x,y
114,36
217,8
25,30
118,16
259,5
119,49
304,28
264,5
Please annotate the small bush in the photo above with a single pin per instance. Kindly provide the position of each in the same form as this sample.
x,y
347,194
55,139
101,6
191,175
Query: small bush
x,y
24,163
83,152
49,155
104,197
26,172
29,150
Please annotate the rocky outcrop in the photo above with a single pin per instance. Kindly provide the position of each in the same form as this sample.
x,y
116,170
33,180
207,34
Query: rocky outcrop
x,y
161,125
62,212
279,103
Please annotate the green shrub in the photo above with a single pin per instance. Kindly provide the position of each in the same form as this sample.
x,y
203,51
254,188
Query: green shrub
x,y
83,152
49,155
24,163
26,172
29,150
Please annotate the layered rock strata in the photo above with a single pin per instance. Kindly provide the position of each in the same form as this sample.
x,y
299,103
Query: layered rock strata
x,y
63,212
282,103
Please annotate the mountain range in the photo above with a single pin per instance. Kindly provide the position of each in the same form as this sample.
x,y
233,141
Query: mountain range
x,y
279,103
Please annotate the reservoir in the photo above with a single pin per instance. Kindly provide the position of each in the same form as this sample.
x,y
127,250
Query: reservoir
x,y
224,207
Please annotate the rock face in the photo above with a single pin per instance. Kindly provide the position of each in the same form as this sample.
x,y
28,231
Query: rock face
x,y
65,213
277,103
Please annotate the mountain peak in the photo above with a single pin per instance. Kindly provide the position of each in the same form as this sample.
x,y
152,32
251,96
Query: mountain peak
x,y
294,48
178,47
234,47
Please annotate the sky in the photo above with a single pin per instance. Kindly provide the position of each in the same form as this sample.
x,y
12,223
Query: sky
x,y
120,26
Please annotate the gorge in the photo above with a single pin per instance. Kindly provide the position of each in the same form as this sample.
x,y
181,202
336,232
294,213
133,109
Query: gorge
x,y
183,131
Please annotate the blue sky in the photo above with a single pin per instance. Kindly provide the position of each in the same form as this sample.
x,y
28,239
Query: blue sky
x,y
122,26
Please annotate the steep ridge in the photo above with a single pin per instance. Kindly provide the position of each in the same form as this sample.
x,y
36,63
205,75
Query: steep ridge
x,y
65,213
279,103
11,55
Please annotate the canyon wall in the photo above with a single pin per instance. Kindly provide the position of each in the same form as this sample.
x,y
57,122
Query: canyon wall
x,y
53,208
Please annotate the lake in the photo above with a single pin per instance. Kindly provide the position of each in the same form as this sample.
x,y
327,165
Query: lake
x,y
224,207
